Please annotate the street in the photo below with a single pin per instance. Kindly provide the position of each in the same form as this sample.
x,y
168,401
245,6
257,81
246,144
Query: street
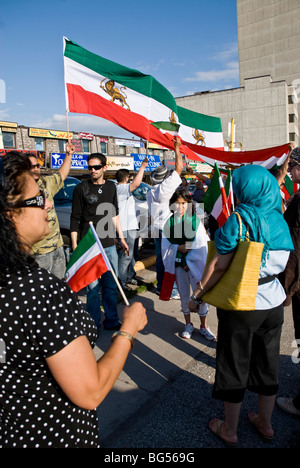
x,y
162,398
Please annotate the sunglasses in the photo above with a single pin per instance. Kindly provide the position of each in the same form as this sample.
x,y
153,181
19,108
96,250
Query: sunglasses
x,y
33,166
37,202
96,168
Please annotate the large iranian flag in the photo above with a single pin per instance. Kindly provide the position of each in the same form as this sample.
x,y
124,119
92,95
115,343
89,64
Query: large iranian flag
x,y
128,98
88,262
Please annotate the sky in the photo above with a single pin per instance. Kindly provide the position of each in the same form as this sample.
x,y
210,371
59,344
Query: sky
x,y
187,45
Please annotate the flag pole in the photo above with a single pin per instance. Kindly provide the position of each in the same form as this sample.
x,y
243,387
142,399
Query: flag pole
x,y
222,187
67,115
108,262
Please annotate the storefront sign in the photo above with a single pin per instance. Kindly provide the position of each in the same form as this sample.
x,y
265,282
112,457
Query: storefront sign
x,y
153,161
132,143
41,133
79,161
119,162
77,145
86,136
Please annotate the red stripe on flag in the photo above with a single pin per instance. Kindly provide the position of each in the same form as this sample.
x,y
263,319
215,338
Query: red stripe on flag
x,y
85,102
167,286
88,273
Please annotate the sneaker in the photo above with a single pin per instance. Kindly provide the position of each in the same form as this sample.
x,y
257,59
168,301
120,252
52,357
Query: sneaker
x,y
132,281
207,333
176,297
157,292
287,405
187,333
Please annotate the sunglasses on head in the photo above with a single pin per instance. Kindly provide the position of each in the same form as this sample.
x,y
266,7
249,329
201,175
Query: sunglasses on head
x,y
96,168
37,202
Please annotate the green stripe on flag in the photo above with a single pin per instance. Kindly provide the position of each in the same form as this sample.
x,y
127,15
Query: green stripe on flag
x,y
133,79
214,191
84,245
167,126
202,122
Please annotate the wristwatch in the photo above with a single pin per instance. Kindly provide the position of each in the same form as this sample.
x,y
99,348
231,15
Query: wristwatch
x,y
195,299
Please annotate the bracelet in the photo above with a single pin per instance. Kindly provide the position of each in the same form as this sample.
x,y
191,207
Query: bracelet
x,y
195,299
125,334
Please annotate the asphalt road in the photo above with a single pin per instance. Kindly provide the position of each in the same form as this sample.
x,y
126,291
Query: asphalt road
x,y
163,397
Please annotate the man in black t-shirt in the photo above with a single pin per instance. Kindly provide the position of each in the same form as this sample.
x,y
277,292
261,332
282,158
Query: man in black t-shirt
x,y
95,200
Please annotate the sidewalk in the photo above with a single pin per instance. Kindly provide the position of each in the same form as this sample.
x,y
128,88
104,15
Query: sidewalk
x,y
163,396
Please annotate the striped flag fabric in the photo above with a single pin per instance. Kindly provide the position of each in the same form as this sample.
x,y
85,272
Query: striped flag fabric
x,y
167,128
288,188
219,198
128,98
87,263
268,157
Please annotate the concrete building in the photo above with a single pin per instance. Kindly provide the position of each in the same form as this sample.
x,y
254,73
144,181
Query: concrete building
x,y
266,106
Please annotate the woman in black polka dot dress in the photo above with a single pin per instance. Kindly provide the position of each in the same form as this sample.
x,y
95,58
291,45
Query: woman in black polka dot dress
x,y
50,382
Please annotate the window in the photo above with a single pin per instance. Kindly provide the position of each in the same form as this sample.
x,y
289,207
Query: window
x,y
122,149
291,99
291,118
8,140
292,136
103,147
39,144
62,146
85,146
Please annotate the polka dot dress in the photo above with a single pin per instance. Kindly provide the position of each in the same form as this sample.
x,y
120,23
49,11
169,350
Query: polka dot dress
x,y
39,316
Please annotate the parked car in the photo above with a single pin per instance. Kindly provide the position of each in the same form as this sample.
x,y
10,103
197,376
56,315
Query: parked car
x,y
63,207
142,212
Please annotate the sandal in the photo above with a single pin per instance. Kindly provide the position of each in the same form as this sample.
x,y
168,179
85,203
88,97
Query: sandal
x,y
217,432
267,437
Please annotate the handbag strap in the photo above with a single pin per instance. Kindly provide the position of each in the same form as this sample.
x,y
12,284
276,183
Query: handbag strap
x,y
241,227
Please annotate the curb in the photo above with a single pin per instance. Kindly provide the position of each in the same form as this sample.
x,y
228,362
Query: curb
x,y
146,263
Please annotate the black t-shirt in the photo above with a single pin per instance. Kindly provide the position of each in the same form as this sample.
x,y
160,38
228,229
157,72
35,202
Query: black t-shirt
x,y
96,203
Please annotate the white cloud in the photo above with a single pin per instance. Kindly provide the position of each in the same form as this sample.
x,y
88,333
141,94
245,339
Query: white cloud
x,y
231,52
231,72
4,114
149,68
82,123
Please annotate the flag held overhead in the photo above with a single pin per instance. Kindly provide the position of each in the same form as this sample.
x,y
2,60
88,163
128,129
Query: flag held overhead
x,y
128,98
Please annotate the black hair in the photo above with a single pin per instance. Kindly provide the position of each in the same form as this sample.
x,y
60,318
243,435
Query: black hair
x,y
100,156
121,174
181,192
13,257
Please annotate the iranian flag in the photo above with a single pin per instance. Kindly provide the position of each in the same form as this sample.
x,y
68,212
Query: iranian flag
x,y
128,98
289,188
268,157
218,198
88,262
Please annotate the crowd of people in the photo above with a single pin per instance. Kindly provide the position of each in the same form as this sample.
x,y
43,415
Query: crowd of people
x,y
51,383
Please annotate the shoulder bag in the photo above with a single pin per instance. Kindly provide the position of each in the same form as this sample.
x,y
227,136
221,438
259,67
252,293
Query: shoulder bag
x,y
237,288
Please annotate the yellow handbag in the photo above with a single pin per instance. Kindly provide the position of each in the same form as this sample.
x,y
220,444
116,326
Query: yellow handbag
x,y
237,288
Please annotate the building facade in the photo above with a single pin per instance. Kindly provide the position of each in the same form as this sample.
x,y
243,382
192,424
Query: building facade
x,y
265,107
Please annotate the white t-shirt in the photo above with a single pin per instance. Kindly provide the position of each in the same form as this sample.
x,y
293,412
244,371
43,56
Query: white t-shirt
x,y
127,209
158,200
270,295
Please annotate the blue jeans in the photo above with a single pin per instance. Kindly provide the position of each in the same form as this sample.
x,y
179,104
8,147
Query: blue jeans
x,y
127,262
159,265
109,294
